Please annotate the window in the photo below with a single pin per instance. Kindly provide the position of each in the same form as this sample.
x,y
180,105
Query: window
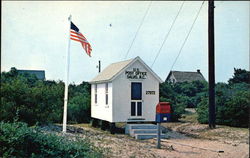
x,y
136,91
139,109
173,80
96,93
132,108
106,93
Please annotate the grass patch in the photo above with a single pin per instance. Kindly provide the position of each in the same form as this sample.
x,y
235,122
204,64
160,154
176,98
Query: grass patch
x,y
190,115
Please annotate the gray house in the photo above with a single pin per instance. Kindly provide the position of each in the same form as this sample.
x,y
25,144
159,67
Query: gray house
x,y
40,74
184,76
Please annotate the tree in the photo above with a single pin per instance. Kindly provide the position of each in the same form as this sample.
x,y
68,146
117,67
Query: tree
x,y
240,75
79,103
30,99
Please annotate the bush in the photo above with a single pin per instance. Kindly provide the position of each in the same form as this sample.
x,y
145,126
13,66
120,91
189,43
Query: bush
x,y
177,108
235,111
79,103
18,140
34,102
202,111
41,101
182,95
232,105
79,109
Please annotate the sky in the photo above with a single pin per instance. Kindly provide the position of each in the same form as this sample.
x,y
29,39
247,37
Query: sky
x,y
35,36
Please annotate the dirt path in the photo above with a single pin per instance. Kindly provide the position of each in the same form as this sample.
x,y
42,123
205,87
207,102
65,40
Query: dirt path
x,y
196,148
177,146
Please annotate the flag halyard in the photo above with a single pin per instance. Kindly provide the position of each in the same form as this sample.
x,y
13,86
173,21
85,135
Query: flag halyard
x,y
76,35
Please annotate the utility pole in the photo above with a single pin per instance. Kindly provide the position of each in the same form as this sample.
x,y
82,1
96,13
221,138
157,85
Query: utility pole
x,y
211,65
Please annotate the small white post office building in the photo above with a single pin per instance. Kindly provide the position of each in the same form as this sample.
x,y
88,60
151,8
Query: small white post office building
x,y
125,91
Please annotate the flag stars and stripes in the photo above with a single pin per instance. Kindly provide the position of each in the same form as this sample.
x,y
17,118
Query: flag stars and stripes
x,y
76,35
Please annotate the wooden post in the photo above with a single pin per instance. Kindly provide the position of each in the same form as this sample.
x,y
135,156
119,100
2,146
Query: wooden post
x,y
103,125
112,128
99,66
94,122
211,65
158,135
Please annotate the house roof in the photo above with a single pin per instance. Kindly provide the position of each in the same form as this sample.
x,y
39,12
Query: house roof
x,y
40,74
182,76
115,69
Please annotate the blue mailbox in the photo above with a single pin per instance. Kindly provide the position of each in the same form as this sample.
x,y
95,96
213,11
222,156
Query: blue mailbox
x,y
163,112
162,118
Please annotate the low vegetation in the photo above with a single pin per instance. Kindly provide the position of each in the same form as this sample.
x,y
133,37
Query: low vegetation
x,y
37,101
19,140
182,95
232,103
232,99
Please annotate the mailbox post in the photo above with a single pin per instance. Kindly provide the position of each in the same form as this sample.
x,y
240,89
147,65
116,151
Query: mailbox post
x,y
163,111
158,135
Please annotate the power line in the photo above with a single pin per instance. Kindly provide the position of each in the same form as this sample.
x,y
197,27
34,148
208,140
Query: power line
x,y
183,44
138,29
166,37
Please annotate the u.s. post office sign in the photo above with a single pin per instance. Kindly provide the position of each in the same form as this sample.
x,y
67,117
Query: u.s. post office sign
x,y
136,74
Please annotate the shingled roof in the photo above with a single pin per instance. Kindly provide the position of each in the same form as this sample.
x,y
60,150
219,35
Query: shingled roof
x,y
40,74
110,71
184,76
113,70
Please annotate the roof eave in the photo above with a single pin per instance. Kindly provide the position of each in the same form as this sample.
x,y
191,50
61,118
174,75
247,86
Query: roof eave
x,y
154,74
100,81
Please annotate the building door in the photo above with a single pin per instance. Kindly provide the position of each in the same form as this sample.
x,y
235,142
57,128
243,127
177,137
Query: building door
x,y
136,99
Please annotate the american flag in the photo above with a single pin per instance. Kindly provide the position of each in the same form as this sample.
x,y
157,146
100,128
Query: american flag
x,y
76,35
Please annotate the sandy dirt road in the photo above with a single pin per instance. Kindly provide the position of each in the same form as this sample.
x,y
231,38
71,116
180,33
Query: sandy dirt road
x,y
176,146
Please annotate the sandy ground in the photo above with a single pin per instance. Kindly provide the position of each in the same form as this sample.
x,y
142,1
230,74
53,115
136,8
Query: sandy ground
x,y
176,146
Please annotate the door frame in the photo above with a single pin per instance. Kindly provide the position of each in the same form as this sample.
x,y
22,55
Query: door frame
x,y
136,102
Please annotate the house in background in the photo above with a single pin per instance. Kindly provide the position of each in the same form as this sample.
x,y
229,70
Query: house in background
x,y
40,74
126,91
183,76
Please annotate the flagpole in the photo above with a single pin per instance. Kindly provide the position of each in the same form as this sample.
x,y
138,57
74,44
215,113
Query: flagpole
x,y
66,82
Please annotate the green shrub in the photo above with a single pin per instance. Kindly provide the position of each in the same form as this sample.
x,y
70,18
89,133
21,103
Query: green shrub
x,y
41,101
235,112
202,110
18,140
182,95
79,103
79,109
232,105
177,108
